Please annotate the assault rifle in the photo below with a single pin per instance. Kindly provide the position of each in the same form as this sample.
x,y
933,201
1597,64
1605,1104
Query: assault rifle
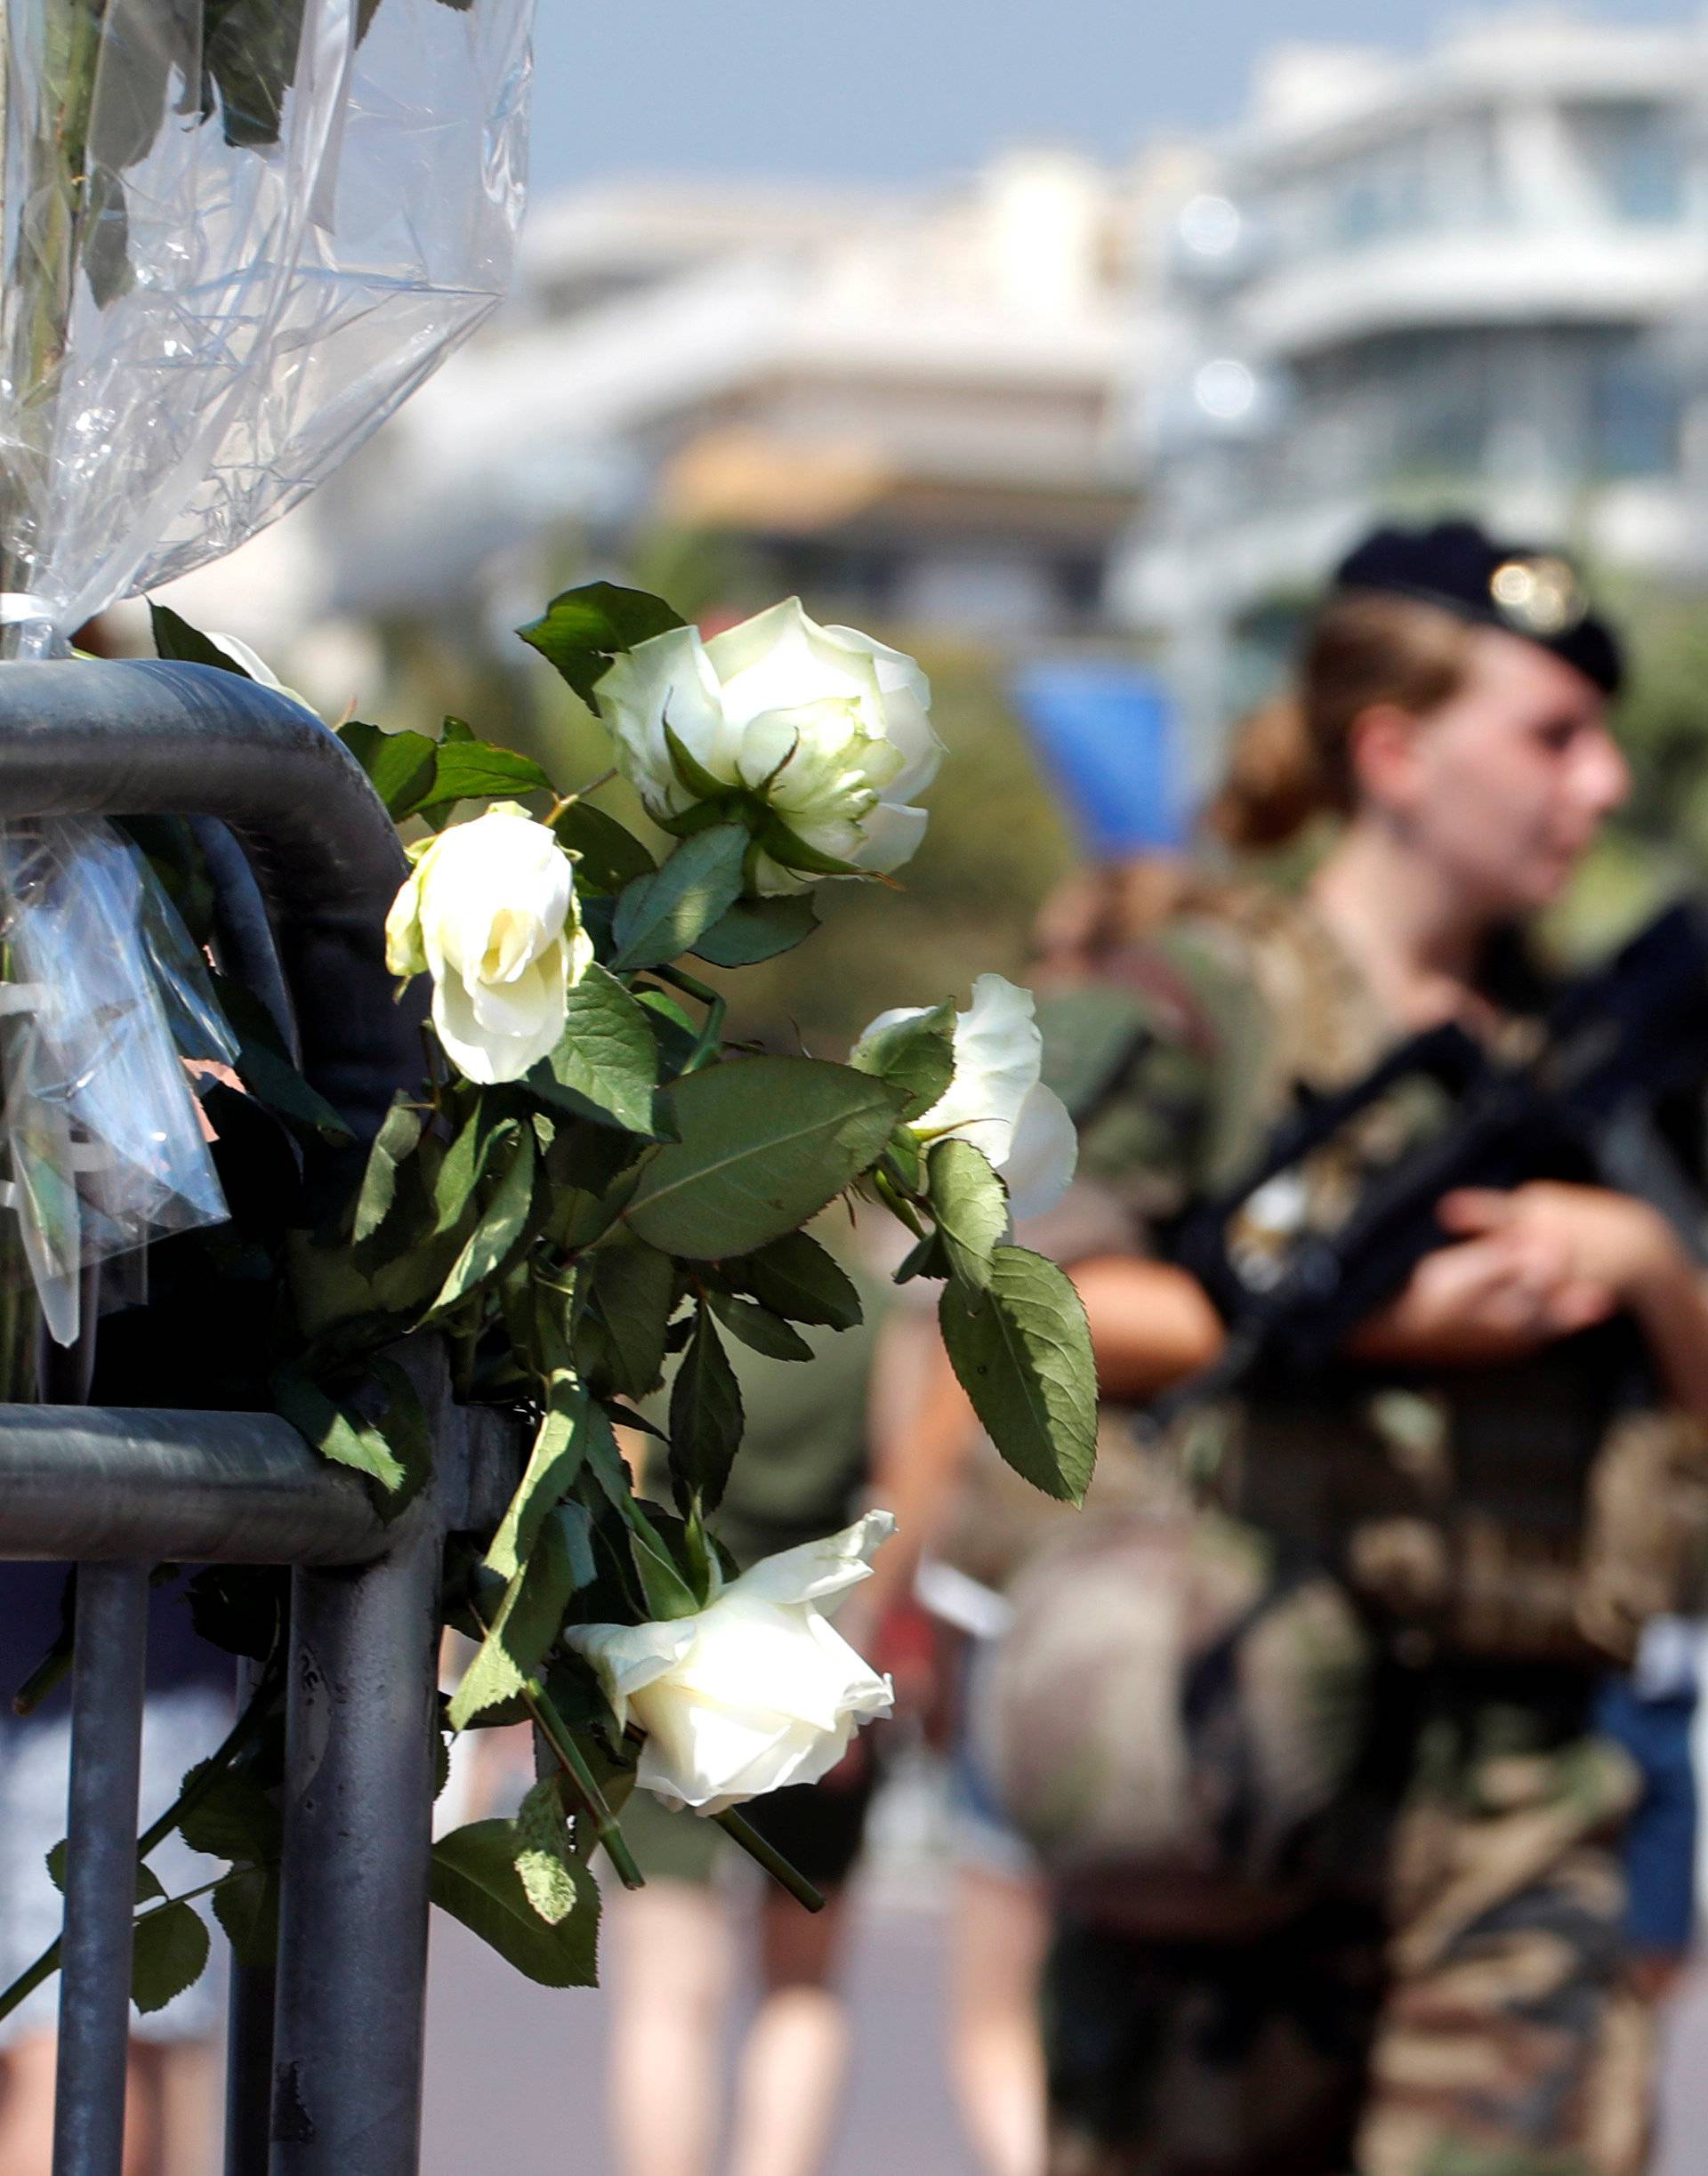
x,y
1332,1221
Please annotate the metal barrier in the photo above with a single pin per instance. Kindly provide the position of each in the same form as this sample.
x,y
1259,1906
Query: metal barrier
x,y
323,2075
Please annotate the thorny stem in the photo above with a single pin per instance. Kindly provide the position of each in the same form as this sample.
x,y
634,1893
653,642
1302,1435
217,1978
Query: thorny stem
x,y
555,1731
773,1860
712,1027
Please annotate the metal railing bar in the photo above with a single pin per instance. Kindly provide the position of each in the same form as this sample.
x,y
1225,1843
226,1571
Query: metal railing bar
x,y
103,1482
99,1482
100,1870
350,2021
248,2037
133,738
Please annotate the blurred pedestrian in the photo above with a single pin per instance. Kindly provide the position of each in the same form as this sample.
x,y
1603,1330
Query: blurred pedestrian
x,y
171,2106
804,1462
1300,1717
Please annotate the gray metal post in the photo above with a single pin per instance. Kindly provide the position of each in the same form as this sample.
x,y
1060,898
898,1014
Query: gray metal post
x,y
100,1872
352,2003
249,2036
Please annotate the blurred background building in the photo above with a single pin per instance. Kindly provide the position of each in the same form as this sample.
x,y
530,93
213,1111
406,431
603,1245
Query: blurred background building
x,y
1083,433
1474,278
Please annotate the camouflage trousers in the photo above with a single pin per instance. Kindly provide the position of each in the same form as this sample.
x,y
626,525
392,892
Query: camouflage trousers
x,y
1474,2015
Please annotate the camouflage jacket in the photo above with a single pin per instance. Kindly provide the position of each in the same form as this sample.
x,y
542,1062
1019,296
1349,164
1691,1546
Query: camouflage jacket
x,y
1536,1510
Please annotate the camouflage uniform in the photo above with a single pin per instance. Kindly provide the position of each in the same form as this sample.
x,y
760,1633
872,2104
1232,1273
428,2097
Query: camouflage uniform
x,y
1332,1846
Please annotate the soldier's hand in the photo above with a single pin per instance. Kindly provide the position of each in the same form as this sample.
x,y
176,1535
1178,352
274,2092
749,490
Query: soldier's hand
x,y
1603,1238
1499,1297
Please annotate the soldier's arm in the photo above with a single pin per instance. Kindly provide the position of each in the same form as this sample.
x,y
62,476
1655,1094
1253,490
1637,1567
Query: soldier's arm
x,y
1152,1324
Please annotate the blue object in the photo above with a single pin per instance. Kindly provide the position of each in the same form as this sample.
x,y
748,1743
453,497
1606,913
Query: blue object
x,y
1660,1842
1107,733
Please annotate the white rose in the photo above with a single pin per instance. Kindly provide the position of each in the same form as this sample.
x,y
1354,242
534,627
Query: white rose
x,y
819,738
754,1691
489,912
995,1099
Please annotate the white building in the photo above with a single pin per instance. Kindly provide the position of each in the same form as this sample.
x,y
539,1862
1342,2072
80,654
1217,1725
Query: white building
x,y
907,403
1473,279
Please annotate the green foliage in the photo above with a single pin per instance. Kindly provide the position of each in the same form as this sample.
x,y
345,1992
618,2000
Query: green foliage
x,y
765,1143
583,629
666,912
916,1056
705,1419
477,1878
640,1192
970,1204
606,1064
1021,1352
169,1954
796,1279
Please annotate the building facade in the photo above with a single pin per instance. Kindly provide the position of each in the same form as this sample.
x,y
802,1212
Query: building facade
x,y
1474,279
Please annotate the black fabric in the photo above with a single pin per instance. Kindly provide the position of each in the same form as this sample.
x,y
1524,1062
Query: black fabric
x,y
1455,565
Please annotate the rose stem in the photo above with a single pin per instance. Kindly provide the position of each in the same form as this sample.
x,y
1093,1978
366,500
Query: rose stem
x,y
773,1861
553,1728
711,1027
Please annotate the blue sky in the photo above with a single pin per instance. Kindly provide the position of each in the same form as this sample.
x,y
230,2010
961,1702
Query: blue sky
x,y
909,90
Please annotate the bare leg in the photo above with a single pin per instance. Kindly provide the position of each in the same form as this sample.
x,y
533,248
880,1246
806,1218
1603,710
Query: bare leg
x,y
795,2057
190,2085
26,2111
997,2057
673,1986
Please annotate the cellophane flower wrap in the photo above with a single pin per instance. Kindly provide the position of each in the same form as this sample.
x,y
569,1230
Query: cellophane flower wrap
x,y
236,236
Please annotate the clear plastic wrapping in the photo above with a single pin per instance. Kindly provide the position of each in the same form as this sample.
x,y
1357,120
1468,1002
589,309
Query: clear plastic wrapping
x,y
106,1146
237,234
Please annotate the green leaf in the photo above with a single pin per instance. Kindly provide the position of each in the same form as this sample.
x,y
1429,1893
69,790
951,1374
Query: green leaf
x,y
250,52
765,1143
561,1445
664,1590
607,856
545,1860
796,1278
148,1885
403,1421
336,1430
917,1055
396,1139
583,629
480,771
1023,1355
759,1329
274,1082
231,1818
792,851
970,1204
705,1419
475,1879
660,916
399,766
530,1617
169,1953
633,1288
488,1128
175,639
605,1063
691,774
500,1231
756,930
247,1909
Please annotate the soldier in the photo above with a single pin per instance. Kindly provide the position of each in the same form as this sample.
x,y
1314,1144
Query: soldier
x,y
1334,1846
